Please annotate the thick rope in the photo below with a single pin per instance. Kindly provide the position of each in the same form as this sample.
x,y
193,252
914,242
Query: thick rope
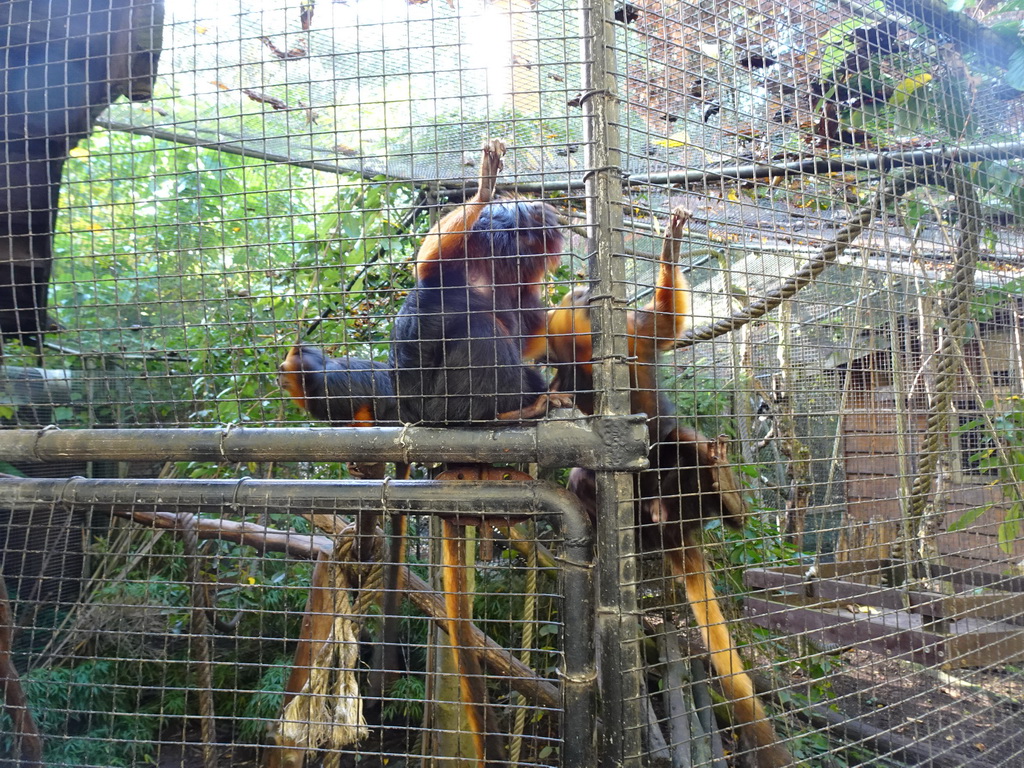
x,y
957,310
328,711
798,280
526,655
887,191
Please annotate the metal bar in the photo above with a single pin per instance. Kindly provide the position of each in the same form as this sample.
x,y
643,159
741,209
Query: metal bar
x,y
865,161
595,443
579,682
422,497
616,589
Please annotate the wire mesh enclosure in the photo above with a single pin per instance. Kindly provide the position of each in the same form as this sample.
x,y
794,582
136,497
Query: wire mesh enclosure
x,y
511,382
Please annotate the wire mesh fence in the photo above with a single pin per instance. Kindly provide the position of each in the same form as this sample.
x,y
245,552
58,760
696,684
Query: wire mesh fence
x,y
511,383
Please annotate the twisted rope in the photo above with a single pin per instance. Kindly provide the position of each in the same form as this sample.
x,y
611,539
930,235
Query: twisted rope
x,y
526,655
949,358
328,711
887,191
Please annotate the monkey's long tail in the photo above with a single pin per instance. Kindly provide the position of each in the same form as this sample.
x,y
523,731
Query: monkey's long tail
x,y
689,565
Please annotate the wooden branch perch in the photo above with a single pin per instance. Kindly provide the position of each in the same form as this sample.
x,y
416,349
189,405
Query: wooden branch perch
x,y
27,741
307,546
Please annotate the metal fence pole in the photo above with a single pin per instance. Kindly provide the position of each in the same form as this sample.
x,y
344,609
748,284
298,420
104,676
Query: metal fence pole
x,y
616,599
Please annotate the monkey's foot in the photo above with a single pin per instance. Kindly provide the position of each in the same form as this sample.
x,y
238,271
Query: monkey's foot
x,y
539,407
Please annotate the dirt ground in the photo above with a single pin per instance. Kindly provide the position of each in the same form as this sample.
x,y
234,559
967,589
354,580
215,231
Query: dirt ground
x,y
966,717
969,718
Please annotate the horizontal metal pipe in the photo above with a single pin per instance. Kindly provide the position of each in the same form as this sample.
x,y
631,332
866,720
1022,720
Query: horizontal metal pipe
x,y
470,498
613,443
865,161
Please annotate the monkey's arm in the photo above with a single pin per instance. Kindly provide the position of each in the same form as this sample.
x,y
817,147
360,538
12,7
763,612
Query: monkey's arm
x,y
664,318
568,345
447,238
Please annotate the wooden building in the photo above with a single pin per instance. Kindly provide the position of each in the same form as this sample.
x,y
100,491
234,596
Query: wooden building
x,y
975,501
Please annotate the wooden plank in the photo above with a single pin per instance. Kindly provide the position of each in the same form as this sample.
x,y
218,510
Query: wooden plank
x,y
969,564
775,578
975,626
970,496
868,443
986,525
830,592
832,582
872,487
874,509
826,620
871,464
845,629
870,420
980,548
834,570
977,578
861,594
881,420
846,568
966,544
985,649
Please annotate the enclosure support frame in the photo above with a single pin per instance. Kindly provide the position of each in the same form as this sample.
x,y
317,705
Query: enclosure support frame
x,y
618,629
420,497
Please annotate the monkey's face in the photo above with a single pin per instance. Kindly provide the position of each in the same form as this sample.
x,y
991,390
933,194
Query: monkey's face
x,y
289,376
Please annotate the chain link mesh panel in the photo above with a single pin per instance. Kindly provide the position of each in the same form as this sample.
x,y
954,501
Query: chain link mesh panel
x,y
280,281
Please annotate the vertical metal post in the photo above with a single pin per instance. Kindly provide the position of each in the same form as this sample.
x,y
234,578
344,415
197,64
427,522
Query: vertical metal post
x,y
616,590
579,683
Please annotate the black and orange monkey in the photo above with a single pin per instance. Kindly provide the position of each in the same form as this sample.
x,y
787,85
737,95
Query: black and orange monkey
x,y
345,391
458,341
353,392
694,485
689,481
566,343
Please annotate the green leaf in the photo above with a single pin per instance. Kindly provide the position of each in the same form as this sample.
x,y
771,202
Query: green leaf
x,y
968,517
915,211
1009,532
1015,70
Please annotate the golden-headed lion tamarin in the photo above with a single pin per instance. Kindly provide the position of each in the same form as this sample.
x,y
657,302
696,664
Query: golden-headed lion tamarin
x,y
689,481
457,345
